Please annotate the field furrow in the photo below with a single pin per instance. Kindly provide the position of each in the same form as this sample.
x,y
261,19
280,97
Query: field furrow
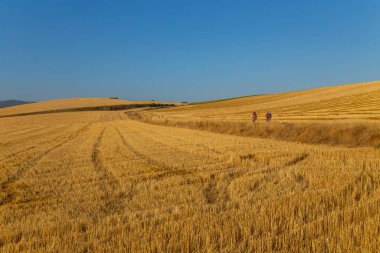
x,y
113,197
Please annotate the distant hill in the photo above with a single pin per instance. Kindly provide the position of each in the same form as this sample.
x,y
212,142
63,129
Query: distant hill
x,y
8,103
72,103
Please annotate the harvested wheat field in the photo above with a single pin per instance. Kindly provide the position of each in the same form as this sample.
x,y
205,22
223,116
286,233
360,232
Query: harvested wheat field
x,y
104,182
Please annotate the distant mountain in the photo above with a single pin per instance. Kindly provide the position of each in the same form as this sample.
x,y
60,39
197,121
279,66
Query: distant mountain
x,y
7,103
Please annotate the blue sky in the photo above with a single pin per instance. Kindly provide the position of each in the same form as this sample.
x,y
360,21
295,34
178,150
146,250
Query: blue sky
x,y
184,50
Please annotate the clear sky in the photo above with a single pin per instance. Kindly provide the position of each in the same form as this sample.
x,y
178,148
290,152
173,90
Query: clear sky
x,y
184,50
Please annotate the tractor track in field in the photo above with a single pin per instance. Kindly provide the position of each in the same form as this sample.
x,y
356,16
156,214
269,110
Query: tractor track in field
x,y
7,195
226,165
157,165
192,154
209,155
215,186
161,170
229,164
113,195
298,159
211,150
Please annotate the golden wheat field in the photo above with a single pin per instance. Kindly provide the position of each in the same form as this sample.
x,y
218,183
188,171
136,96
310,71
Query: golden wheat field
x,y
104,182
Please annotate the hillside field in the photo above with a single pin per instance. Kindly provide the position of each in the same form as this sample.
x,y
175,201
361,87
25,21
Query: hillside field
x,y
343,102
337,115
109,181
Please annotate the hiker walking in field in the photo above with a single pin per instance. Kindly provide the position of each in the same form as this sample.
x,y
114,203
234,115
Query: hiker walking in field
x,y
254,117
268,116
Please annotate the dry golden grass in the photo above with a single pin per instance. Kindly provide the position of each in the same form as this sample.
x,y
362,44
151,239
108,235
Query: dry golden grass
x,y
101,182
351,133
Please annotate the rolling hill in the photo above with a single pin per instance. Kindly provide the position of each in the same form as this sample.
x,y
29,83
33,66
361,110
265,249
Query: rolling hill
x,y
67,104
344,115
351,101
